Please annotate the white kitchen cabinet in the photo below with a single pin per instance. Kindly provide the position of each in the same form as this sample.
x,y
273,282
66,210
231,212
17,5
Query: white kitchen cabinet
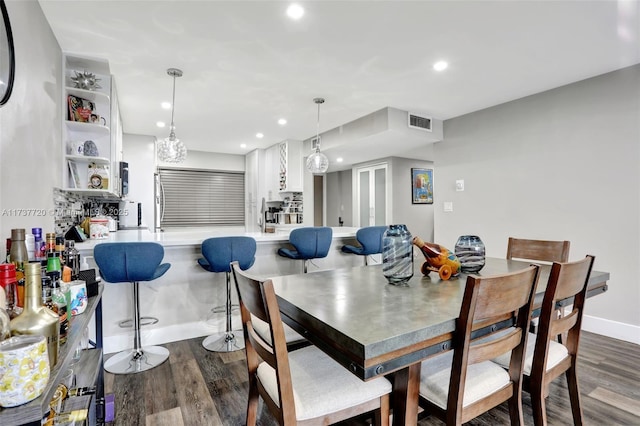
x,y
271,173
290,166
91,129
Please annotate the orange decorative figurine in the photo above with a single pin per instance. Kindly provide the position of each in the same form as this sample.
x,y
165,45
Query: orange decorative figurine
x,y
438,259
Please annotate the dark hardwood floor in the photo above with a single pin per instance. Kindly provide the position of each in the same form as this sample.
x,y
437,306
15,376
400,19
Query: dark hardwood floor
x,y
197,387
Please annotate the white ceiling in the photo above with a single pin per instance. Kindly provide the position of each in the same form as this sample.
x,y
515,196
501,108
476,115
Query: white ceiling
x,y
246,64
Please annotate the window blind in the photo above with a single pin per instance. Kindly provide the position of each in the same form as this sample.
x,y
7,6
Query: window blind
x,y
202,197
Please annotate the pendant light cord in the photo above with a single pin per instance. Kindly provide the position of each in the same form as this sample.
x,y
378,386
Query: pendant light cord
x,y
318,101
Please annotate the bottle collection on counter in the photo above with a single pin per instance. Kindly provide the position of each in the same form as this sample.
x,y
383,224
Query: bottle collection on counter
x,y
40,293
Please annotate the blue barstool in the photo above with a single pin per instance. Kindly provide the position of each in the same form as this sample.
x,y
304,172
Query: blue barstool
x,y
309,243
370,240
132,262
218,254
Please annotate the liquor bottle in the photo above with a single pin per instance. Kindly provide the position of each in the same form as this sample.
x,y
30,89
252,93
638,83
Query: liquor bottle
x,y
38,246
72,259
19,257
50,244
9,283
57,296
5,330
35,318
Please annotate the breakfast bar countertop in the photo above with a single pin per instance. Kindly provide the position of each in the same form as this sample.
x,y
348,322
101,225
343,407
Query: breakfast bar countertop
x,y
195,236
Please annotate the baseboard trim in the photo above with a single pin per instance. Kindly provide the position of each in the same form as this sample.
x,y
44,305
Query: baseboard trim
x,y
617,330
170,333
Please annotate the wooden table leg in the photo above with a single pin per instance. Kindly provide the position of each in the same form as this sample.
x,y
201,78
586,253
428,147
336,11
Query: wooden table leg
x,y
406,385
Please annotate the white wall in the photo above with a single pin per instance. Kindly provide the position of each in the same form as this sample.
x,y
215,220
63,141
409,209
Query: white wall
x,y
563,164
210,161
30,124
139,152
418,217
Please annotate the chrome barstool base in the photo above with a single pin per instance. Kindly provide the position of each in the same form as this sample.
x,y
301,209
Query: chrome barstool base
x,y
132,361
224,342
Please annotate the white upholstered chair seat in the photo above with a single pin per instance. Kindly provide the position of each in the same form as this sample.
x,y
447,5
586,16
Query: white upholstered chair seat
x,y
262,328
321,385
557,352
483,379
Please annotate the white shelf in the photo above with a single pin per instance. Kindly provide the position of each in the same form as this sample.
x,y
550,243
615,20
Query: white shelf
x,y
88,159
81,127
91,95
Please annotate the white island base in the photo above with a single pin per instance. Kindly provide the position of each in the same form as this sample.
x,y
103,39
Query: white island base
x,y
183,298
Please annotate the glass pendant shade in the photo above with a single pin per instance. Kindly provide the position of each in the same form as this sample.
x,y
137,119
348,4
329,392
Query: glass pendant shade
x,y
171,149
317,162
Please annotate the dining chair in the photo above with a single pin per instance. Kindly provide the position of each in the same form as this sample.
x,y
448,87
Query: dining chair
x,y
545,359
303,387
538,250
370,242
547,251
310,242
459,385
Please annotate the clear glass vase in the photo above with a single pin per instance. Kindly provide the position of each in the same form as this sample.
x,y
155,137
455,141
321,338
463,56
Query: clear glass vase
x,y
397,254
471,253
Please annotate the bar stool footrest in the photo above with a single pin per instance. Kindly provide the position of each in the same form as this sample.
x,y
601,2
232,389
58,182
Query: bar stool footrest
x,y
143,321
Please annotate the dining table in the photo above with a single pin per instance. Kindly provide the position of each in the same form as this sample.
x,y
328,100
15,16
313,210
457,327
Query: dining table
x,y
374,328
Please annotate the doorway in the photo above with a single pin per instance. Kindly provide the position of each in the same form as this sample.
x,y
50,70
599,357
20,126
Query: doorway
x,y
318,200
372,196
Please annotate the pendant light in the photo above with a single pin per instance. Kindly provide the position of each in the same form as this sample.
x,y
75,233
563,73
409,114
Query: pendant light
x,y
171,149
317,162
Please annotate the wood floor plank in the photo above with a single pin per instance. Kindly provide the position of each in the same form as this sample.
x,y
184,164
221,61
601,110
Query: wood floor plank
x,y
159,389
171,417
619,401
211,389
179,352
193,396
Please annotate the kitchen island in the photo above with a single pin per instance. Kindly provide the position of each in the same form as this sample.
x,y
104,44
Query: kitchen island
x,y
182,299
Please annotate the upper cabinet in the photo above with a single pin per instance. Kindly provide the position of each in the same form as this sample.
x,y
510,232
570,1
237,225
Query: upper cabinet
x,y
91,128
290,166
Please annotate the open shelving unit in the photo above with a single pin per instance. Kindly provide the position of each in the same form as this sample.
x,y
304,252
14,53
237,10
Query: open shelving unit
x,y
99,132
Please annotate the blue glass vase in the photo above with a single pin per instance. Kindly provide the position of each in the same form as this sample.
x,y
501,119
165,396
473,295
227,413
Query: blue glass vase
x,y
471,253
397,254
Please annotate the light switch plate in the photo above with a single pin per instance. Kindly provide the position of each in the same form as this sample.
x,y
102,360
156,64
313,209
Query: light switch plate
x,y
460,185
448,206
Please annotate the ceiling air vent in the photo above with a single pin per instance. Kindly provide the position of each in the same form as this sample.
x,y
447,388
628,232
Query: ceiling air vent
x,y
421,123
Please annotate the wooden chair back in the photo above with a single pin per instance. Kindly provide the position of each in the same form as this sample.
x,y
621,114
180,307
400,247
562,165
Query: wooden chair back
x,y
540,250
258,297
566,280
488,300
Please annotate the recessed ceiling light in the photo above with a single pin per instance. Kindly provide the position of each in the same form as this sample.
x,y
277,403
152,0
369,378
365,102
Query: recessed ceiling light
x,y
259,135
440,65
282,122
160,123
243,145
166,105
339,159
295,11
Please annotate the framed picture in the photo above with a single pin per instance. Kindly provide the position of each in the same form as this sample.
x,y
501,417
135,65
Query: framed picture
x,y
421,186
